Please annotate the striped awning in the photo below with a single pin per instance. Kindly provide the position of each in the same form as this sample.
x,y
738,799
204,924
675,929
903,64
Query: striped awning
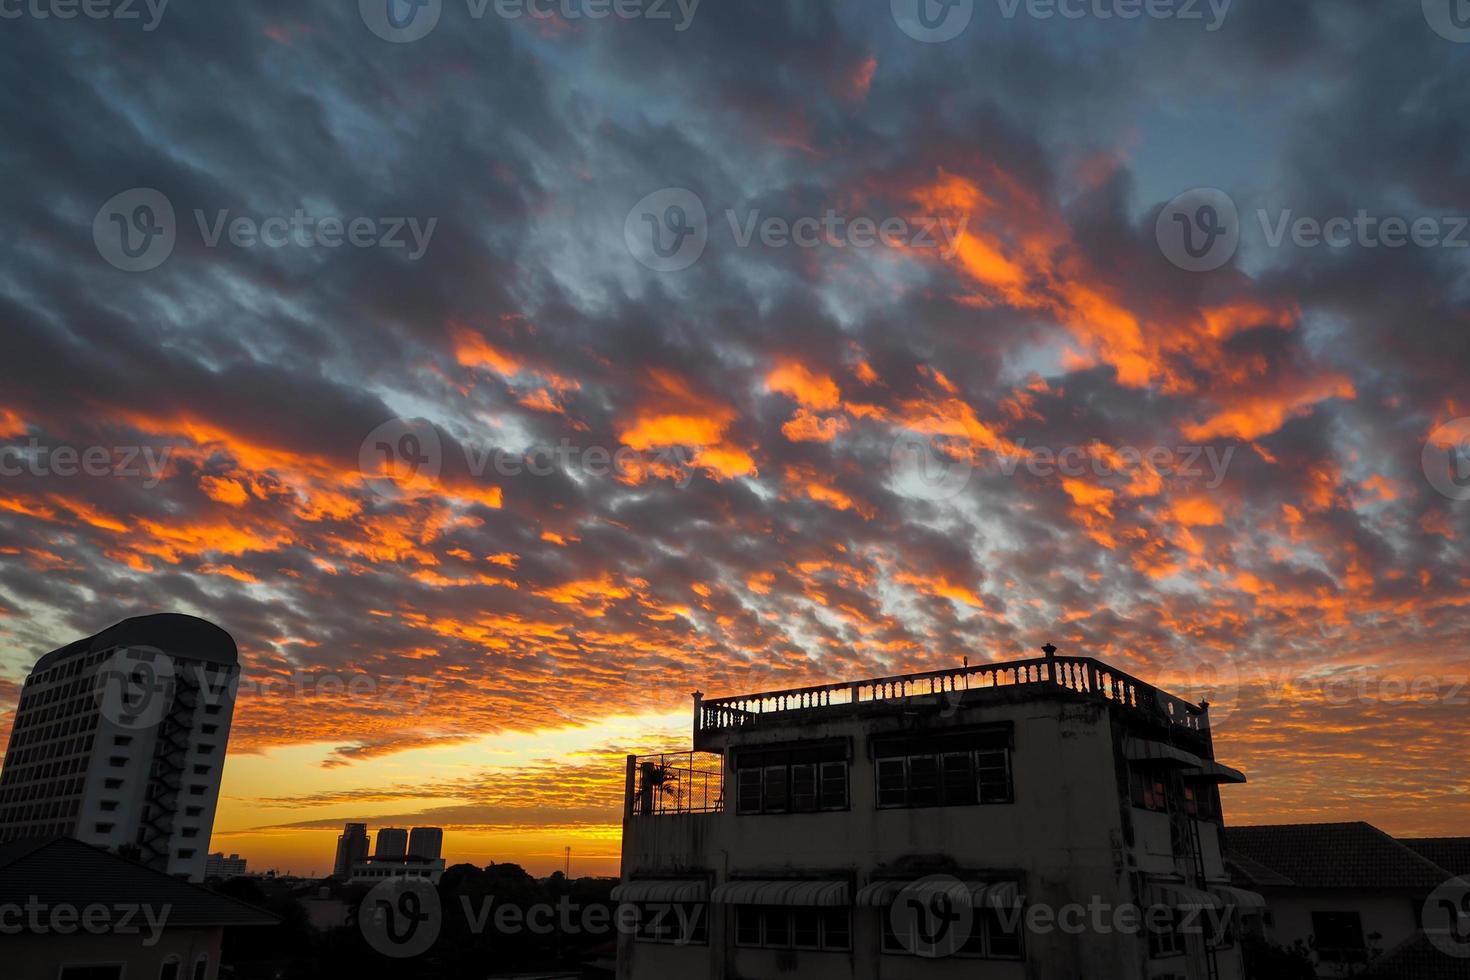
x,y
763,891
1244,901
661,890
977,894
1180,896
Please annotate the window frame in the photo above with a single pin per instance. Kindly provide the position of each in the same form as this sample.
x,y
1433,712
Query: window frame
x,y
763,914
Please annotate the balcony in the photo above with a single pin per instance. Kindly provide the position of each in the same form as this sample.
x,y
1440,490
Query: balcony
x,y
672,783
1078,677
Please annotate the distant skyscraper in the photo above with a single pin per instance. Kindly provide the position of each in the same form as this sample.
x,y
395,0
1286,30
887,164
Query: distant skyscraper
x,y
426,842
352,846
119,741
218,866
392,842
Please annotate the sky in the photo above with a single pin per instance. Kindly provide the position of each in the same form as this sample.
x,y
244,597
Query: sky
x,y
357,340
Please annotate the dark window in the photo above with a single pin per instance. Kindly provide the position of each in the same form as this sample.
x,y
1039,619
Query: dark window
x,y
1167,939
776,928
949,770
992,935
170,970
806,928
782,927
91,972
796,779
201,968
747,925
1148,790
1338,936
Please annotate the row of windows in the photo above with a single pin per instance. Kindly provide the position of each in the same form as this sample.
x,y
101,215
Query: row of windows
x,y
1148,791
805,928
945,779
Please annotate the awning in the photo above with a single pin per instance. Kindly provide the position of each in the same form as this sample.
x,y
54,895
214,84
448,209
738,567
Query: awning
x,y
781,892
1211,771
1147,750
661,890
1180,896
1244,901
978,894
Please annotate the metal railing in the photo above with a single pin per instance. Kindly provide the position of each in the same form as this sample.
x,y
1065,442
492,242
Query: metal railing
x,y
1079,675
675,782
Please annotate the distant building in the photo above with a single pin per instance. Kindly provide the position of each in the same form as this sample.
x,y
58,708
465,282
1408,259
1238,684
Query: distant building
x,y
379,868
1350,893
119,740
392,843
218,866
78,911
352,847
913,826
426,842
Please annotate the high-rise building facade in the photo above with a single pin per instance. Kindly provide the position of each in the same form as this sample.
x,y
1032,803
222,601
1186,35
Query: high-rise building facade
x,y
352,847
392,843
426,842
119,741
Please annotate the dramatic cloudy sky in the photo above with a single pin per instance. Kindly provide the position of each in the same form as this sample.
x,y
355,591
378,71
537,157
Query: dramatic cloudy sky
x,y
836,457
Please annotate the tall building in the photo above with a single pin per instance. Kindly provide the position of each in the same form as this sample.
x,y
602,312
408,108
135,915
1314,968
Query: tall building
x,y
217,865
946,823
426,842
352,847
392,843
119,741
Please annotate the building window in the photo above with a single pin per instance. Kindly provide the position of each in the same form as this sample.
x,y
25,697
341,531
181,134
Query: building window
x,y
677,923
1167,939
949,770
1147,790
1202,800
785,927
1338,937
992,935
201,968
799,779
170,969
92,971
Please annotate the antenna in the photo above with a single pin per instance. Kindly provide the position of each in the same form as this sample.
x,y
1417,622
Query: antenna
x,y
567,868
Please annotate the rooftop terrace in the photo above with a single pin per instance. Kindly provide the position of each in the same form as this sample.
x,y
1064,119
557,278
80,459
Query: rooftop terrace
x,y
1081,677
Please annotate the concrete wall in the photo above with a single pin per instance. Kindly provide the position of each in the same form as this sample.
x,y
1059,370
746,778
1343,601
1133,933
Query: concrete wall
x,y
1395,916
41,957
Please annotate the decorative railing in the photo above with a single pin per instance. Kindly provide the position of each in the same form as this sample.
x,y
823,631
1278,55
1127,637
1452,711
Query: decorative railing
x,y
1079,675
675,782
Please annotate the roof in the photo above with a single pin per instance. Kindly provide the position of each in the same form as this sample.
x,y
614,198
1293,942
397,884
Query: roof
x,y
1450,853
1417,958
178,635
1328,855
61,871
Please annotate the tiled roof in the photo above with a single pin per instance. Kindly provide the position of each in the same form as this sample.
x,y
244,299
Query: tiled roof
x,y
1418,959
1331,855
60,871
1450,853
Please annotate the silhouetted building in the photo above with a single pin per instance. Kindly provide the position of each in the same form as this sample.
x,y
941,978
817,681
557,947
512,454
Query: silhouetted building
x,y
122,920
392,843
218,866
923,825
378,868
119,741
426,842
352,847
